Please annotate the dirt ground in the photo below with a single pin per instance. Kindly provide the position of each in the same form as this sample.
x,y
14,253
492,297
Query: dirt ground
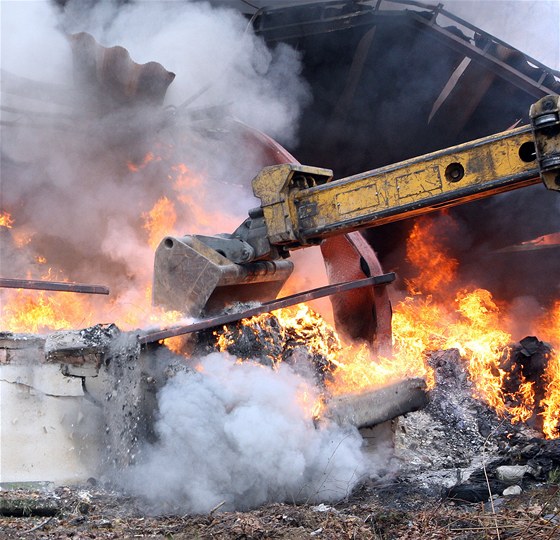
x,y
397,511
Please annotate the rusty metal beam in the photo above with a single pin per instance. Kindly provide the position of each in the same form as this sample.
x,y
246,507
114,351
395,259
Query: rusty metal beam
x,y
486,58
266,307
330,16
61,286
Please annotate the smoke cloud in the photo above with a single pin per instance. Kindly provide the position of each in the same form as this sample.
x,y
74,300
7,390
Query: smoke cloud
x,y
208,48
242,434
80,181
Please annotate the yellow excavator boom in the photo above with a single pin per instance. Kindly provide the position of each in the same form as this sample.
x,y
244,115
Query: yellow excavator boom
x,y
301,206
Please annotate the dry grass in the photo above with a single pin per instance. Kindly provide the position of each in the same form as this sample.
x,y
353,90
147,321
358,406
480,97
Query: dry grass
x,y
533,515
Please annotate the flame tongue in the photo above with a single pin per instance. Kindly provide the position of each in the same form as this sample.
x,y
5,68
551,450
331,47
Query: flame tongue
x,y
434,317
160,221
130,303
549,328
6,220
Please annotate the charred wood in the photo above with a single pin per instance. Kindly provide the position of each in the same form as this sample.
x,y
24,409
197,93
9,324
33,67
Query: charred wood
x,y
265,340
526,361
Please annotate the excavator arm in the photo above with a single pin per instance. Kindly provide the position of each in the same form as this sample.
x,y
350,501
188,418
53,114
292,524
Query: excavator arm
x,y
302,206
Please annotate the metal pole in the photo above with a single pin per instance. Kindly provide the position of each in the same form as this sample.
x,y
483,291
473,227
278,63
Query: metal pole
x,y
52,286
266,307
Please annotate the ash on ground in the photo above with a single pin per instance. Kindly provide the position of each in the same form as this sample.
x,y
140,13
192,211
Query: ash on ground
x,y
458,447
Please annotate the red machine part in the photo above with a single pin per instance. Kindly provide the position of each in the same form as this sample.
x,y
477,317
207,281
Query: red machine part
x,y
362,315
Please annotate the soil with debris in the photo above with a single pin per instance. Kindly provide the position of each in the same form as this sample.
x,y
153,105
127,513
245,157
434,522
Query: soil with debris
x,y
374,512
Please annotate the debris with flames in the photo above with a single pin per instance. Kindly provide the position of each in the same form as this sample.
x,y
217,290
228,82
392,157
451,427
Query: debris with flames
x,y
166,182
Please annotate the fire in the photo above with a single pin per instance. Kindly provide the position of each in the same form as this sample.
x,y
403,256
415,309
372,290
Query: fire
x,y
434,314
160,221
311,403
180,207
432,317
551,401
21,238
6,220
436,268
311,328
148,158
195,201
40,311
429,320
480,340
551,240
549,328
549,325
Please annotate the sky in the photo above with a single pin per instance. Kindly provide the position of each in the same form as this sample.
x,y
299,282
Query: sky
x,y
531,26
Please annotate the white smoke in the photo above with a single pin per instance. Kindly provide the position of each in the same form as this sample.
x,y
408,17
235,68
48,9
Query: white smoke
x,y
65,178
241,434
32,44
208,48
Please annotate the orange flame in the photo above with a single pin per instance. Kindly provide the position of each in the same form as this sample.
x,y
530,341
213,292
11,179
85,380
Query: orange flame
x,y
191,194
180,207
431,318
433,315
6,220
148,158
40,311
160,221
472,324
549,329
312,404
426,253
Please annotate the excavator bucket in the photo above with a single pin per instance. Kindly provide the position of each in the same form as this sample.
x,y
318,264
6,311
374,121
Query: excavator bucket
x,y
197,280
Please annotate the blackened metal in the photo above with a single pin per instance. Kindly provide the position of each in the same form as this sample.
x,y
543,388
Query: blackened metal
x,y
9,283
289,22
485,58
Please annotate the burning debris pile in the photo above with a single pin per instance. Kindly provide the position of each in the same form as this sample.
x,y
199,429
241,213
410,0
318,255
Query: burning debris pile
x,y
217,430
265,410
457,445
298,337
441,449
301,339
451,444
